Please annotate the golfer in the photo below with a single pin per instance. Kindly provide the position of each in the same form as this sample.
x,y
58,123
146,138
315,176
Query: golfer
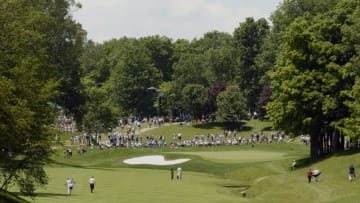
x,y
70,185
293,166
172,173
92,184
316,173
179,173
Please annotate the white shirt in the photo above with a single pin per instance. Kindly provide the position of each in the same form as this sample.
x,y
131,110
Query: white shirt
x,y
69,183
179,170
92,180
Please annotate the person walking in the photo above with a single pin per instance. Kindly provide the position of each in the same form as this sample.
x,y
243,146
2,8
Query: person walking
x,y
92,183
309,175
316,173
172,173
70,185
179,173
351,172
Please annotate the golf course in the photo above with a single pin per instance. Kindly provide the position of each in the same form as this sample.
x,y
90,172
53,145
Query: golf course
x,y
238,173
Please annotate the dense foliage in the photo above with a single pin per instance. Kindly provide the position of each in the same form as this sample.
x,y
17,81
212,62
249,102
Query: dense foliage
x,y
32,75
314,72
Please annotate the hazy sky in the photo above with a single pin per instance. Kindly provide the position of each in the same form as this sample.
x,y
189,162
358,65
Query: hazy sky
x,y
188,19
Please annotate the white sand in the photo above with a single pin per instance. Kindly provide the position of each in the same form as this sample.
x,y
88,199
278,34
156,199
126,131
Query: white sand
x,y
154,160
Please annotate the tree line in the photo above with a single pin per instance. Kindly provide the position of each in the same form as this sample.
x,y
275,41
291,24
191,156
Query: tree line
x,y
301,71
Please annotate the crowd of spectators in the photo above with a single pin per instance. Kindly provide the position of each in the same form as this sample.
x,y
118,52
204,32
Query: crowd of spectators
x,y
129,135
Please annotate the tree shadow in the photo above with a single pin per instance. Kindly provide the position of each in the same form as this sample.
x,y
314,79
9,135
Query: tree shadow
x,y
73,165
348,152
307,162
223,125
43,194
50,194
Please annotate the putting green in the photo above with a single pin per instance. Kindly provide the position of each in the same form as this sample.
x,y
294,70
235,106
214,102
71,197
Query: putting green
x,y
238,156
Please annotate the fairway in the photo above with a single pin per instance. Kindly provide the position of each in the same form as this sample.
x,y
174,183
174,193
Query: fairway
x,y
242,156
132,185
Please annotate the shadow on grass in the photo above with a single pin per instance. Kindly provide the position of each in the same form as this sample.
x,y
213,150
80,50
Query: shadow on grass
x,y
62,164
223,125
44,194
308,162
49,194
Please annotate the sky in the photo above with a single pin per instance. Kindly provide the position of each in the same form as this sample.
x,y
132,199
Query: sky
x,y
176,19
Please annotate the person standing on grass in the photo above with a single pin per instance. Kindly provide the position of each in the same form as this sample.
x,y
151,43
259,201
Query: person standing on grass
x,y
293,166
179,173
351,172
172,173
92,184
309,175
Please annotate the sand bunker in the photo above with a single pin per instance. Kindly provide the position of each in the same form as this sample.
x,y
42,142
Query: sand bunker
x,y
154,160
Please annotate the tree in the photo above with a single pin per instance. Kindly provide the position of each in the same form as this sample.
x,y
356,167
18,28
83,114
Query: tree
x,y
161,51
214,90
99,113
264,99
220,65
350,125
231,105
212,40
190,69
27,85
281,19
312,100
130,81
248,39
289,10
194,99
65,39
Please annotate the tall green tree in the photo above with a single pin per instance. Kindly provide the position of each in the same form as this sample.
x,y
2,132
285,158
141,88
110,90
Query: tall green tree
x,y
161,51
231,105
350,125
99,113
281,19
27,84
311,77
190,69
194,99
248,40
131,80
65,39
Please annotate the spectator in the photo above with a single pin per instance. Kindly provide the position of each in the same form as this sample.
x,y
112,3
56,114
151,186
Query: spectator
x,y
293,166
351,172
309,175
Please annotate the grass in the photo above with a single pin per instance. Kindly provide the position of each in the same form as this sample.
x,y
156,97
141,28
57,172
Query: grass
x,y
238,156
189,131
214,174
